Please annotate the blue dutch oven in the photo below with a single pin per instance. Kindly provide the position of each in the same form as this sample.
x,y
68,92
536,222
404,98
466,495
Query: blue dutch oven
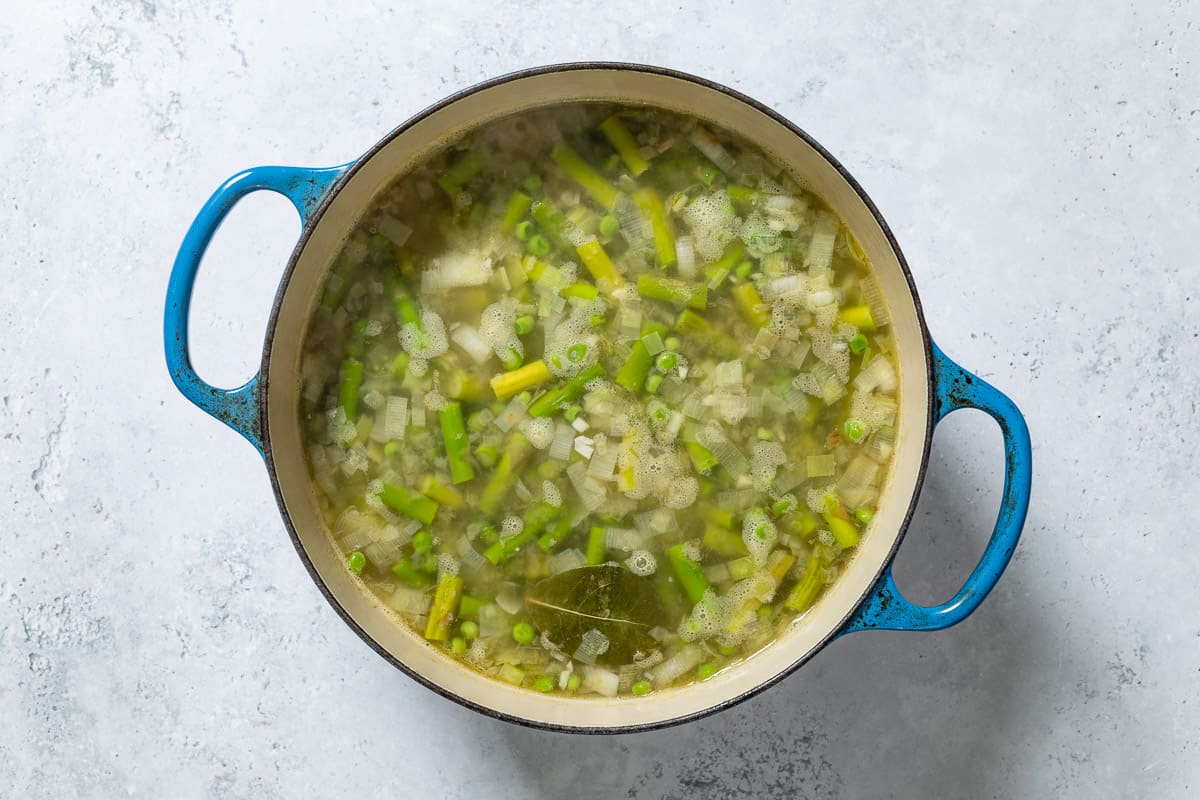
x,y
265,410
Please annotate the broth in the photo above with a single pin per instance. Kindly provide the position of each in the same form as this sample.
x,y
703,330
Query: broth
x,y
599,399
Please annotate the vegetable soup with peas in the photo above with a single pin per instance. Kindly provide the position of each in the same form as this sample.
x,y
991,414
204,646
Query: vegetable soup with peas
x,y
599,399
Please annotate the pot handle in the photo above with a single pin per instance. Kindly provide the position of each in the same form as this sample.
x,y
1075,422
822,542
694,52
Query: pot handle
x,y
238,408
886,608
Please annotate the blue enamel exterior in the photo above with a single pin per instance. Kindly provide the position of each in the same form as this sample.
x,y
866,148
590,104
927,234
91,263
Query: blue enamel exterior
x,y
955,388
240,408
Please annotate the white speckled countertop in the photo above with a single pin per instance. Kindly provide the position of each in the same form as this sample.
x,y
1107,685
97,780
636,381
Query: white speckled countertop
x,y
1039,165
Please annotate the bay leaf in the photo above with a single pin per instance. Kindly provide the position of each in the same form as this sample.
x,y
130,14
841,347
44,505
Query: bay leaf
x,y
607,598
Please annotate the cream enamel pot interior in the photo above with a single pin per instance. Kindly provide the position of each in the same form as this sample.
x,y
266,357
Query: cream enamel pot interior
x,y
265,410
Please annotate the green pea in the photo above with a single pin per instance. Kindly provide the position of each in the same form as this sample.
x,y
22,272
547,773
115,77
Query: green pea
x,y
524,230
864,515
706,670
666,361
576,352
609,225
573,682
356,561
785,505
533,183
764,434
544,683
641,688
672,343
524,324
458,646
654,383
853,430
523,633
510,359
468,629
858,343
538,245
422,542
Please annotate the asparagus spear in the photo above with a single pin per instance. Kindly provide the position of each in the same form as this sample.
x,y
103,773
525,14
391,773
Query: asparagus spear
x,y
516,453
595,546
454,436
750,303
518,380
411,504
582,173
806,591
664,239
581,290
352,377
636,367
444,609
719,270
536,520
688,573
550,220
463,170
623,142
670,290
566,394
555,533
515,211
858,316
445,495
600,266
723,541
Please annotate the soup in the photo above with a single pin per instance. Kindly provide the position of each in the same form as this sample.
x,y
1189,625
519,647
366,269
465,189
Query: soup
x,y
599,399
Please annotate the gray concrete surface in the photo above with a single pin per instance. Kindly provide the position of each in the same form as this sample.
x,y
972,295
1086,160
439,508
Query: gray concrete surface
x,y
1039,164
